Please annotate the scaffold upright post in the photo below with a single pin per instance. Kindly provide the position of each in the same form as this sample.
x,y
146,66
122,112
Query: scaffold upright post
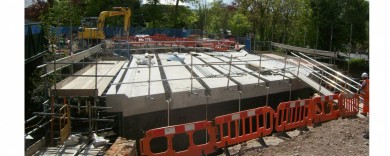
x,y
321,78
299,65
169,108
96,89
266,100
192,71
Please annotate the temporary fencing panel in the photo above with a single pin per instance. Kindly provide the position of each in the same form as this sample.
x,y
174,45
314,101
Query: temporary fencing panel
x,y
250,124
348,104
293,114
327,110
169,134
243,126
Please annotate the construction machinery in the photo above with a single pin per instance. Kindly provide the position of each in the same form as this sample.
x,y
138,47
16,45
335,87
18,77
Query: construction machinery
x,y
92,27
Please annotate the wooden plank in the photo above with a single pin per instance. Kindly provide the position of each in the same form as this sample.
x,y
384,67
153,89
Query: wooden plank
x,y
68,80
104,82
102,70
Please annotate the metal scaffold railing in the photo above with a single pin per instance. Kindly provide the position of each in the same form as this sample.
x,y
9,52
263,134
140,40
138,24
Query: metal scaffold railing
x,y
59,114
326,76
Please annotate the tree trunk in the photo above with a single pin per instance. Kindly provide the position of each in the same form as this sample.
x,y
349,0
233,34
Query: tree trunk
x,y
176,13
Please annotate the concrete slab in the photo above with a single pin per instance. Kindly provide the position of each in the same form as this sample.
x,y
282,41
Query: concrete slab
x,y
131,98
178,72
134,95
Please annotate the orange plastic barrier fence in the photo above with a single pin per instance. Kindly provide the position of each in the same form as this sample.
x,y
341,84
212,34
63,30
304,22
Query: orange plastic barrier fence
x,y
243,126
168,133
293,114
348,104
323,108
164,40
250,124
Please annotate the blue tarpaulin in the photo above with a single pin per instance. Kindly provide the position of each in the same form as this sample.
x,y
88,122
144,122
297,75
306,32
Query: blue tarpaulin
x,y
118,31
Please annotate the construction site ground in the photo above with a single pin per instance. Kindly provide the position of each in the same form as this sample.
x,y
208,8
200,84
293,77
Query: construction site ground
x,y
335,137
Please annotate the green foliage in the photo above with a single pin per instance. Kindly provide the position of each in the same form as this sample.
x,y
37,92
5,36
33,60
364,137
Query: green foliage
x,y
34,95
94,7
239,24
356,67
337,16
61,13
291,22
201,12
359,65
163,16
217,17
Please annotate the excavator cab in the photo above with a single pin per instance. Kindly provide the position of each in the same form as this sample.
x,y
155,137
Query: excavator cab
x,y
92,27
89,22
89,30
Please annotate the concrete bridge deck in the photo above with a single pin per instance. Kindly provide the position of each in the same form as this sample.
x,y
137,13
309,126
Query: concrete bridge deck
x,y
131,99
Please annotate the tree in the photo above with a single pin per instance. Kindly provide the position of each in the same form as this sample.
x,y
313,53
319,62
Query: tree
x,y
62,13
218,17
201,13
177,13
163,17
34,11
339,15
239,24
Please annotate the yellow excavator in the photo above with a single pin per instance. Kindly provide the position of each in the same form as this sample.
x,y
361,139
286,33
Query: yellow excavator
x,y
89,31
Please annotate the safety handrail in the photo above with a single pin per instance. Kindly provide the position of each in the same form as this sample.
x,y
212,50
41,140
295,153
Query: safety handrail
x,y
328,81
319,76
338,73
315,66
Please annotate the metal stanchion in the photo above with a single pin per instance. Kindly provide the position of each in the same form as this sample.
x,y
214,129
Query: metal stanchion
x,y
228,76
258,80
150,72
169,108
192,72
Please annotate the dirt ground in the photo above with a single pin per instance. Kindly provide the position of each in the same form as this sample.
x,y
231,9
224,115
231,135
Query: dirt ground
x,y
336,137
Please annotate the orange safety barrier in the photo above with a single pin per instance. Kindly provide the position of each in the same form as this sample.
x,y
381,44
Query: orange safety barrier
x,y
292,114
326,111
348,104
169,133
243,126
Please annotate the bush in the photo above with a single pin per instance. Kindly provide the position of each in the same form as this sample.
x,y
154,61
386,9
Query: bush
x,y
356,67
